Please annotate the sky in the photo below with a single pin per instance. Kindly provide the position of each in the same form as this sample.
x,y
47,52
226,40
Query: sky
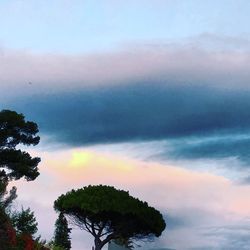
x,y
149,96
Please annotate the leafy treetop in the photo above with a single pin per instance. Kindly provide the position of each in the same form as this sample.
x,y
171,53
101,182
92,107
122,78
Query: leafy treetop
x,y
14,131
108,214
25,222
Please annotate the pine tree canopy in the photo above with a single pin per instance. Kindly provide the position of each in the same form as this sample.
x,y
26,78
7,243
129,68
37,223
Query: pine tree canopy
x,y
62,232
108,213
14,131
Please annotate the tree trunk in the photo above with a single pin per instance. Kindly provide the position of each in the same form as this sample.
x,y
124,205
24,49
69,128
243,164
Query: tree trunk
x,y
98,244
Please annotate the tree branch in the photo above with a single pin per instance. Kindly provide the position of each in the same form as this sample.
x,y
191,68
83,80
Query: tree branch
x,y
101,229
108,239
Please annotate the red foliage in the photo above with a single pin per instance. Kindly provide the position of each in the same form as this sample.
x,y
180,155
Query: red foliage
x,y
11,234
28,242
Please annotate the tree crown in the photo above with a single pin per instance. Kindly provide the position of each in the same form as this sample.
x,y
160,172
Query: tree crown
x,y
14,130
25,222
115,211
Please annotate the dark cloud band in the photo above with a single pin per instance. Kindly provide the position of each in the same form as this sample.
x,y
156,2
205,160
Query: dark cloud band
x,y
139,112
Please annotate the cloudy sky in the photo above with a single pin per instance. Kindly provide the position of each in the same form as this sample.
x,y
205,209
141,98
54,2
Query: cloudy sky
x,y
151,96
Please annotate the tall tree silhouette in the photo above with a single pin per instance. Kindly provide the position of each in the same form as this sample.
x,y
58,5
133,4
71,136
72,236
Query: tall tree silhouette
x,y
62,233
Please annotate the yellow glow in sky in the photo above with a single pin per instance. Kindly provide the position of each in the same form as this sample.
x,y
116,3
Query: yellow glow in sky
x,y
80,159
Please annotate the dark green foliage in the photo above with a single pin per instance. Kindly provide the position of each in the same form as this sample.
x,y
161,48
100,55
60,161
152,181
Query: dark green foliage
x,y
24,222
14,130
62,232
108,213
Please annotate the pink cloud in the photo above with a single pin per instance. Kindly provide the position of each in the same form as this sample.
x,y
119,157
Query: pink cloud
x,y
167,64
206,200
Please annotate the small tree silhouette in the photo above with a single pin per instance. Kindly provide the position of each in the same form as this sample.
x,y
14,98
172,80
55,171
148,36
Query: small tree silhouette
x,y
62,233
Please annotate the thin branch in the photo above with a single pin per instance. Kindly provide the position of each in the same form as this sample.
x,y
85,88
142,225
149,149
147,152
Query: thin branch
x,y
93,230
106,233
101,229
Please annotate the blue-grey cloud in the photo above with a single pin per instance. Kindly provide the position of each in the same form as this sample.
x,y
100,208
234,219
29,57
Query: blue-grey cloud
x,y
232,237
208,230
211,147
158,93
177,221
244,181
142,112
